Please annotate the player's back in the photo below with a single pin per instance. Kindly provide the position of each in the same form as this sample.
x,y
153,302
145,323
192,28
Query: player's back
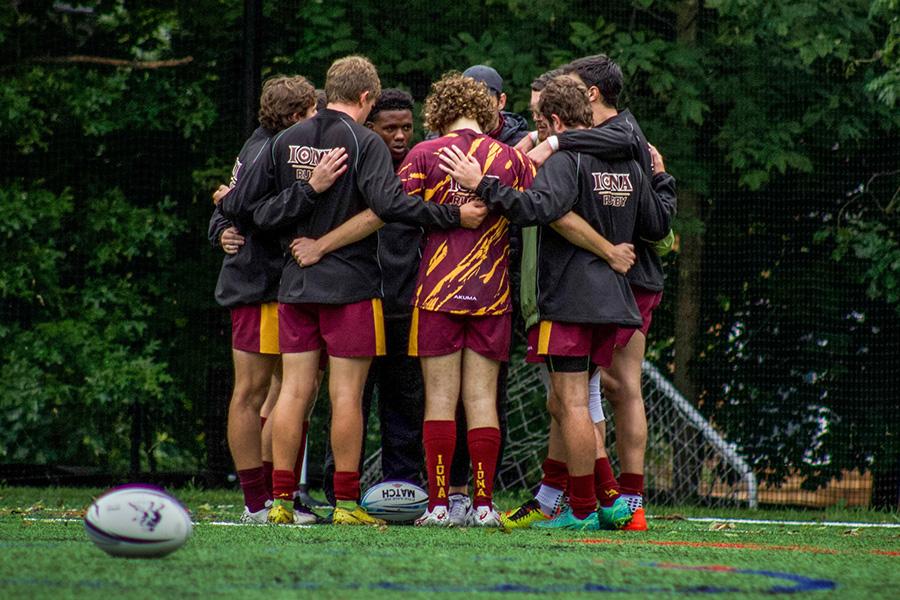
x,y
352,272
464,271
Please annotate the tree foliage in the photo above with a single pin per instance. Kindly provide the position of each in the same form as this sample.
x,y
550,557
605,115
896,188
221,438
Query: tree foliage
x,y
781,118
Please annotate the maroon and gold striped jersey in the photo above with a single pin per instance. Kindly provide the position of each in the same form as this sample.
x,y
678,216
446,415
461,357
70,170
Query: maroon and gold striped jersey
x,y
464,271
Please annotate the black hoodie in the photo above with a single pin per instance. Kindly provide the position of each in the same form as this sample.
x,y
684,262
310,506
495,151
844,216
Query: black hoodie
x,y
647,270
251,275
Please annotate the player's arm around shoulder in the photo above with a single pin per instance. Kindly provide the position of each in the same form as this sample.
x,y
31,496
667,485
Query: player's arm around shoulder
x,y
614,141
384,194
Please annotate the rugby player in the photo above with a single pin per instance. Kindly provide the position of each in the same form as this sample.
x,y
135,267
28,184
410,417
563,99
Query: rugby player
x,y
508,128
248,285
335,303
622,380
573,335
461,322
549,497
396,376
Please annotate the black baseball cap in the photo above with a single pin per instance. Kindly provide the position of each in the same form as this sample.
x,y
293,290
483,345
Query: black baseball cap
x,y
486,75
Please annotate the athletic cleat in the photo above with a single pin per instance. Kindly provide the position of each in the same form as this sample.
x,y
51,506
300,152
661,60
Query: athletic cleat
x,y
303,515
438,517
616,516
353,514
281,513
638,521
524,516
567,520
460,510
260,517
484,516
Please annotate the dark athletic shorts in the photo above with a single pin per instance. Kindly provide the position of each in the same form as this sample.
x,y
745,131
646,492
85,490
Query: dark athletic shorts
x,y
647,301
439,333
554,338
343,330
254,328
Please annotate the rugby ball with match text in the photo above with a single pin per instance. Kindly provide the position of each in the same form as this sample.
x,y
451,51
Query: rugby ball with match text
x,y
137,520
395,501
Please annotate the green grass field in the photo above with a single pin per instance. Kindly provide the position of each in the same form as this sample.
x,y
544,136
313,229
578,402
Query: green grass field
x,y
43,554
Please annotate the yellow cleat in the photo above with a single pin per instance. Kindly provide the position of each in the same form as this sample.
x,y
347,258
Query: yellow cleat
x,y
353,514
281,513
523,517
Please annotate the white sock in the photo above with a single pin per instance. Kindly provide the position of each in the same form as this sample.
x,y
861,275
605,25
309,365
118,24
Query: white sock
x,y
549,498
634,501
595,399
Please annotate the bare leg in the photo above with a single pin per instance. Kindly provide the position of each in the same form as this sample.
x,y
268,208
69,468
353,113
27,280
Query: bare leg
x,y
266,411
442,385
345,387
252,374
298,390
622,386
479,389
571,411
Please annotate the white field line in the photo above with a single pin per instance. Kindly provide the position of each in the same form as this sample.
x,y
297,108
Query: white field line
x,y
693,519
778,522
215,523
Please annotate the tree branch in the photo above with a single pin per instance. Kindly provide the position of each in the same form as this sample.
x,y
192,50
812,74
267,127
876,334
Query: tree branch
x,y
114,62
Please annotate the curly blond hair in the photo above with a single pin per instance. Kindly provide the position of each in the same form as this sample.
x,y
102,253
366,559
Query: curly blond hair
x,y
453,97
281,98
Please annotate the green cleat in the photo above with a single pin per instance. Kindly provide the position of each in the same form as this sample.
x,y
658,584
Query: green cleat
x,y
567,520
616,516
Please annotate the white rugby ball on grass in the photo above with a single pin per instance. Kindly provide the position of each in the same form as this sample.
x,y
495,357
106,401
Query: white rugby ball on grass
x,y
137,520
395,501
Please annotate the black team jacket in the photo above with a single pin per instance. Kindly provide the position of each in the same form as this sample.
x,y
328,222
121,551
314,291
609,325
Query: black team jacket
x,y
276,193
617,199
647,271
251,275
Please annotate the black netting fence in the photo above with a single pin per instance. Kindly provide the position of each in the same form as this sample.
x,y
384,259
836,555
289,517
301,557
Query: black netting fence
x,y
780,324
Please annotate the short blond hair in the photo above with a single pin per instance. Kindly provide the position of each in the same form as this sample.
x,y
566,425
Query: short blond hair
x,y
281,98
349,77
455,96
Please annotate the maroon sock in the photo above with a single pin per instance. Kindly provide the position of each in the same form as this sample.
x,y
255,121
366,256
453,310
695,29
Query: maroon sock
x,y
298,465
283,484
556,475
582,497
484,445
346,485
605,482
631,484
439,439
253,484
268,467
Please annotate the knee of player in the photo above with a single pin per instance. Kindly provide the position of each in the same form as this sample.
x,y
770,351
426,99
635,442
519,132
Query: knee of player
x,y
249,394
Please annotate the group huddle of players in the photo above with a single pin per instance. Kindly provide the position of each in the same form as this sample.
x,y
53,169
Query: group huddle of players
x,y
391,266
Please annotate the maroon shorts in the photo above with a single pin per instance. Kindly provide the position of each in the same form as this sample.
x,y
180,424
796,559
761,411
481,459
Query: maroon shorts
x,y
254,328
555,338
647,301
343,330
439,333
